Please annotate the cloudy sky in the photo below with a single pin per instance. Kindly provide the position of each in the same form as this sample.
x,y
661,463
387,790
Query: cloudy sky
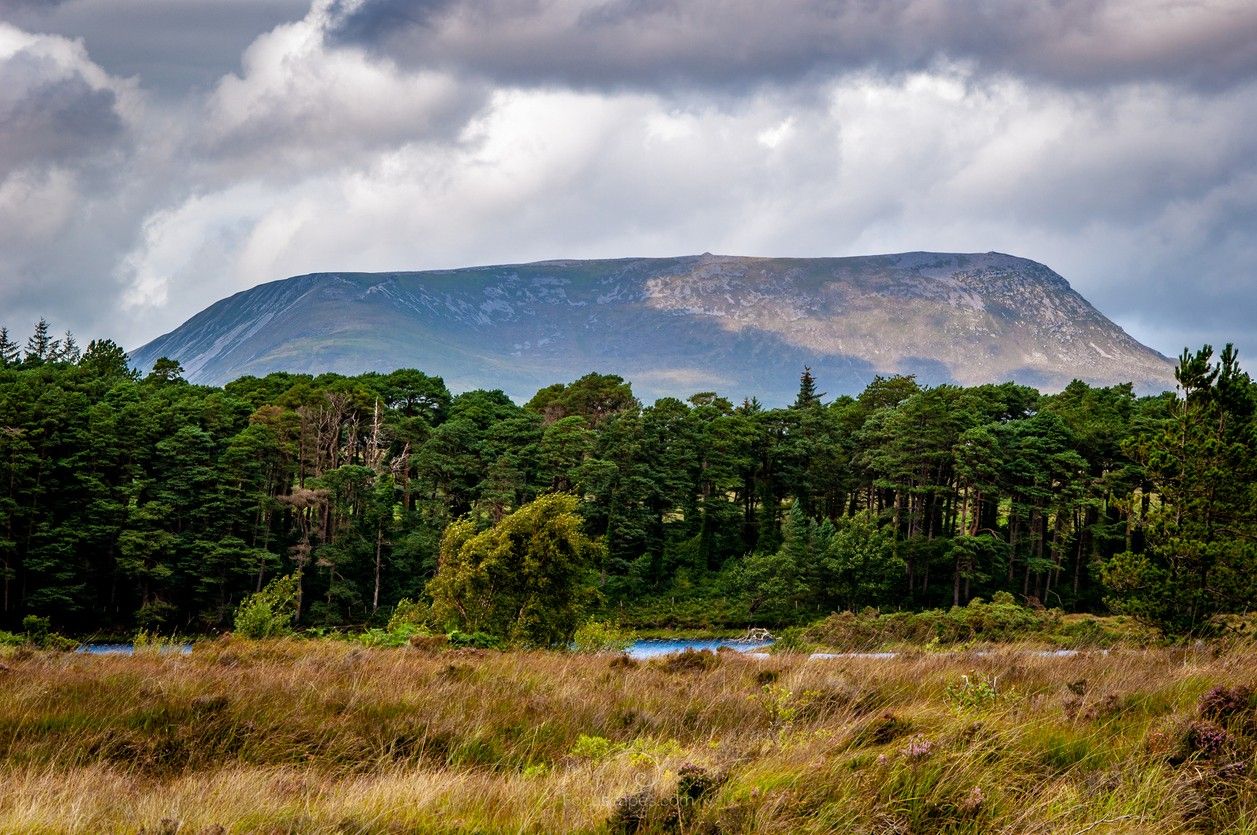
x,y
157,155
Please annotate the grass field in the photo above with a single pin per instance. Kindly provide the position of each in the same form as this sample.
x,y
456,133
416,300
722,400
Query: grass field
x,y
321,736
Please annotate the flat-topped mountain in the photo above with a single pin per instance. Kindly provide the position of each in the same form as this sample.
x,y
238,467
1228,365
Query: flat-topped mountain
x,y
675,326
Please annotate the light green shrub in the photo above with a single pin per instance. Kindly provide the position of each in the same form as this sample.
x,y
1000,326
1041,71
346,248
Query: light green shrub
x,y
146,641
271,612
475,640
410,613
38,632
792,640
593,747
600,636
973,692
395,637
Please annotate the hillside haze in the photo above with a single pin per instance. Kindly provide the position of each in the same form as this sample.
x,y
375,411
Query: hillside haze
x,y
674,326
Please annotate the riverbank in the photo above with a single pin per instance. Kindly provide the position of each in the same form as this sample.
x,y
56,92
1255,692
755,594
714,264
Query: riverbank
x,y
324,736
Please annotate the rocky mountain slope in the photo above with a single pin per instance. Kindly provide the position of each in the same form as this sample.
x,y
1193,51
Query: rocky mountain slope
x,y
739,326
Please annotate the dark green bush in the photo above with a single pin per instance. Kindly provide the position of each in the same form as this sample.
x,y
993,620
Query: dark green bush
x,y
997,621
36,628
475,640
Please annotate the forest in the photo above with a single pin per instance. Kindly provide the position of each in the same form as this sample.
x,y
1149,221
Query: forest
x,y
136,500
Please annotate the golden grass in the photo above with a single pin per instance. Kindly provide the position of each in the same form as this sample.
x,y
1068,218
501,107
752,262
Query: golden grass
x,y
292,736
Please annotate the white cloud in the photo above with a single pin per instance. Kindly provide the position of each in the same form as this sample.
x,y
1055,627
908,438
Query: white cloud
x,y
299,105
778,133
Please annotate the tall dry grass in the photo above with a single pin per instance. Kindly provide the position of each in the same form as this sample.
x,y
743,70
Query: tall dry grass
x,y
291,736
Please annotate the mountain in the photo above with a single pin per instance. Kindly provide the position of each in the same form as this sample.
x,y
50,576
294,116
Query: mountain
x,y
675,326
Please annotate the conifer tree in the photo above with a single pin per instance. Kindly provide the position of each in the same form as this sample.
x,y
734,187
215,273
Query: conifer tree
x,y
808,396
1203,533
165,370
10,353
66,350
40,346
105,358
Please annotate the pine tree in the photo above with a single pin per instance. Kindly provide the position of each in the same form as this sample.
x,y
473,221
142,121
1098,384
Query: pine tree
x,y
165,370
66,350
808,396
40,346
1199,556
105,358
10,354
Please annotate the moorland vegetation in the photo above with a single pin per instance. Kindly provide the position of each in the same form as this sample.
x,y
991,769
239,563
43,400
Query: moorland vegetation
x,y
309,736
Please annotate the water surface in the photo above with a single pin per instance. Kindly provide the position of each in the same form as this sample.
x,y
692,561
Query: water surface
x,y
129,649
653,647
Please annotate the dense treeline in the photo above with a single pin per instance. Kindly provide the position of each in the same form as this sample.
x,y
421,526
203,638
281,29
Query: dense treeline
x,y
141,500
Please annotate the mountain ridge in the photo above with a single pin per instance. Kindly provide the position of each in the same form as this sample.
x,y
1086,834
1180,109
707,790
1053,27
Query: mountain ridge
x,y
740,325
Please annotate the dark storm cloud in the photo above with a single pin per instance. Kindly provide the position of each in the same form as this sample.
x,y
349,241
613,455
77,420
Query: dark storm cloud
x,y
654,43
52,121
170,46
376,21
28,5
65,141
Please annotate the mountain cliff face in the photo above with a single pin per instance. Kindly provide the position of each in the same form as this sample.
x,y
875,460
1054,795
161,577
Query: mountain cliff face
x,y
675,326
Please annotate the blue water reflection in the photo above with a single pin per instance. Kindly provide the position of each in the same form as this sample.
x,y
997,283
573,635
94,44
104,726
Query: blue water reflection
x,y
654,647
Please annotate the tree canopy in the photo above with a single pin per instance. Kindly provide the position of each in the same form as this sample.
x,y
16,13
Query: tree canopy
x,y
131,500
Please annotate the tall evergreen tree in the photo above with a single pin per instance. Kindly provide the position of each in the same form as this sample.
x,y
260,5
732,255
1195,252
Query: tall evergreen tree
x,y
808,396
66,349
40,347
10,353
1202,461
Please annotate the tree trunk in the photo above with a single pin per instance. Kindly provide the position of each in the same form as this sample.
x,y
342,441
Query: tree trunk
x,y
379,547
